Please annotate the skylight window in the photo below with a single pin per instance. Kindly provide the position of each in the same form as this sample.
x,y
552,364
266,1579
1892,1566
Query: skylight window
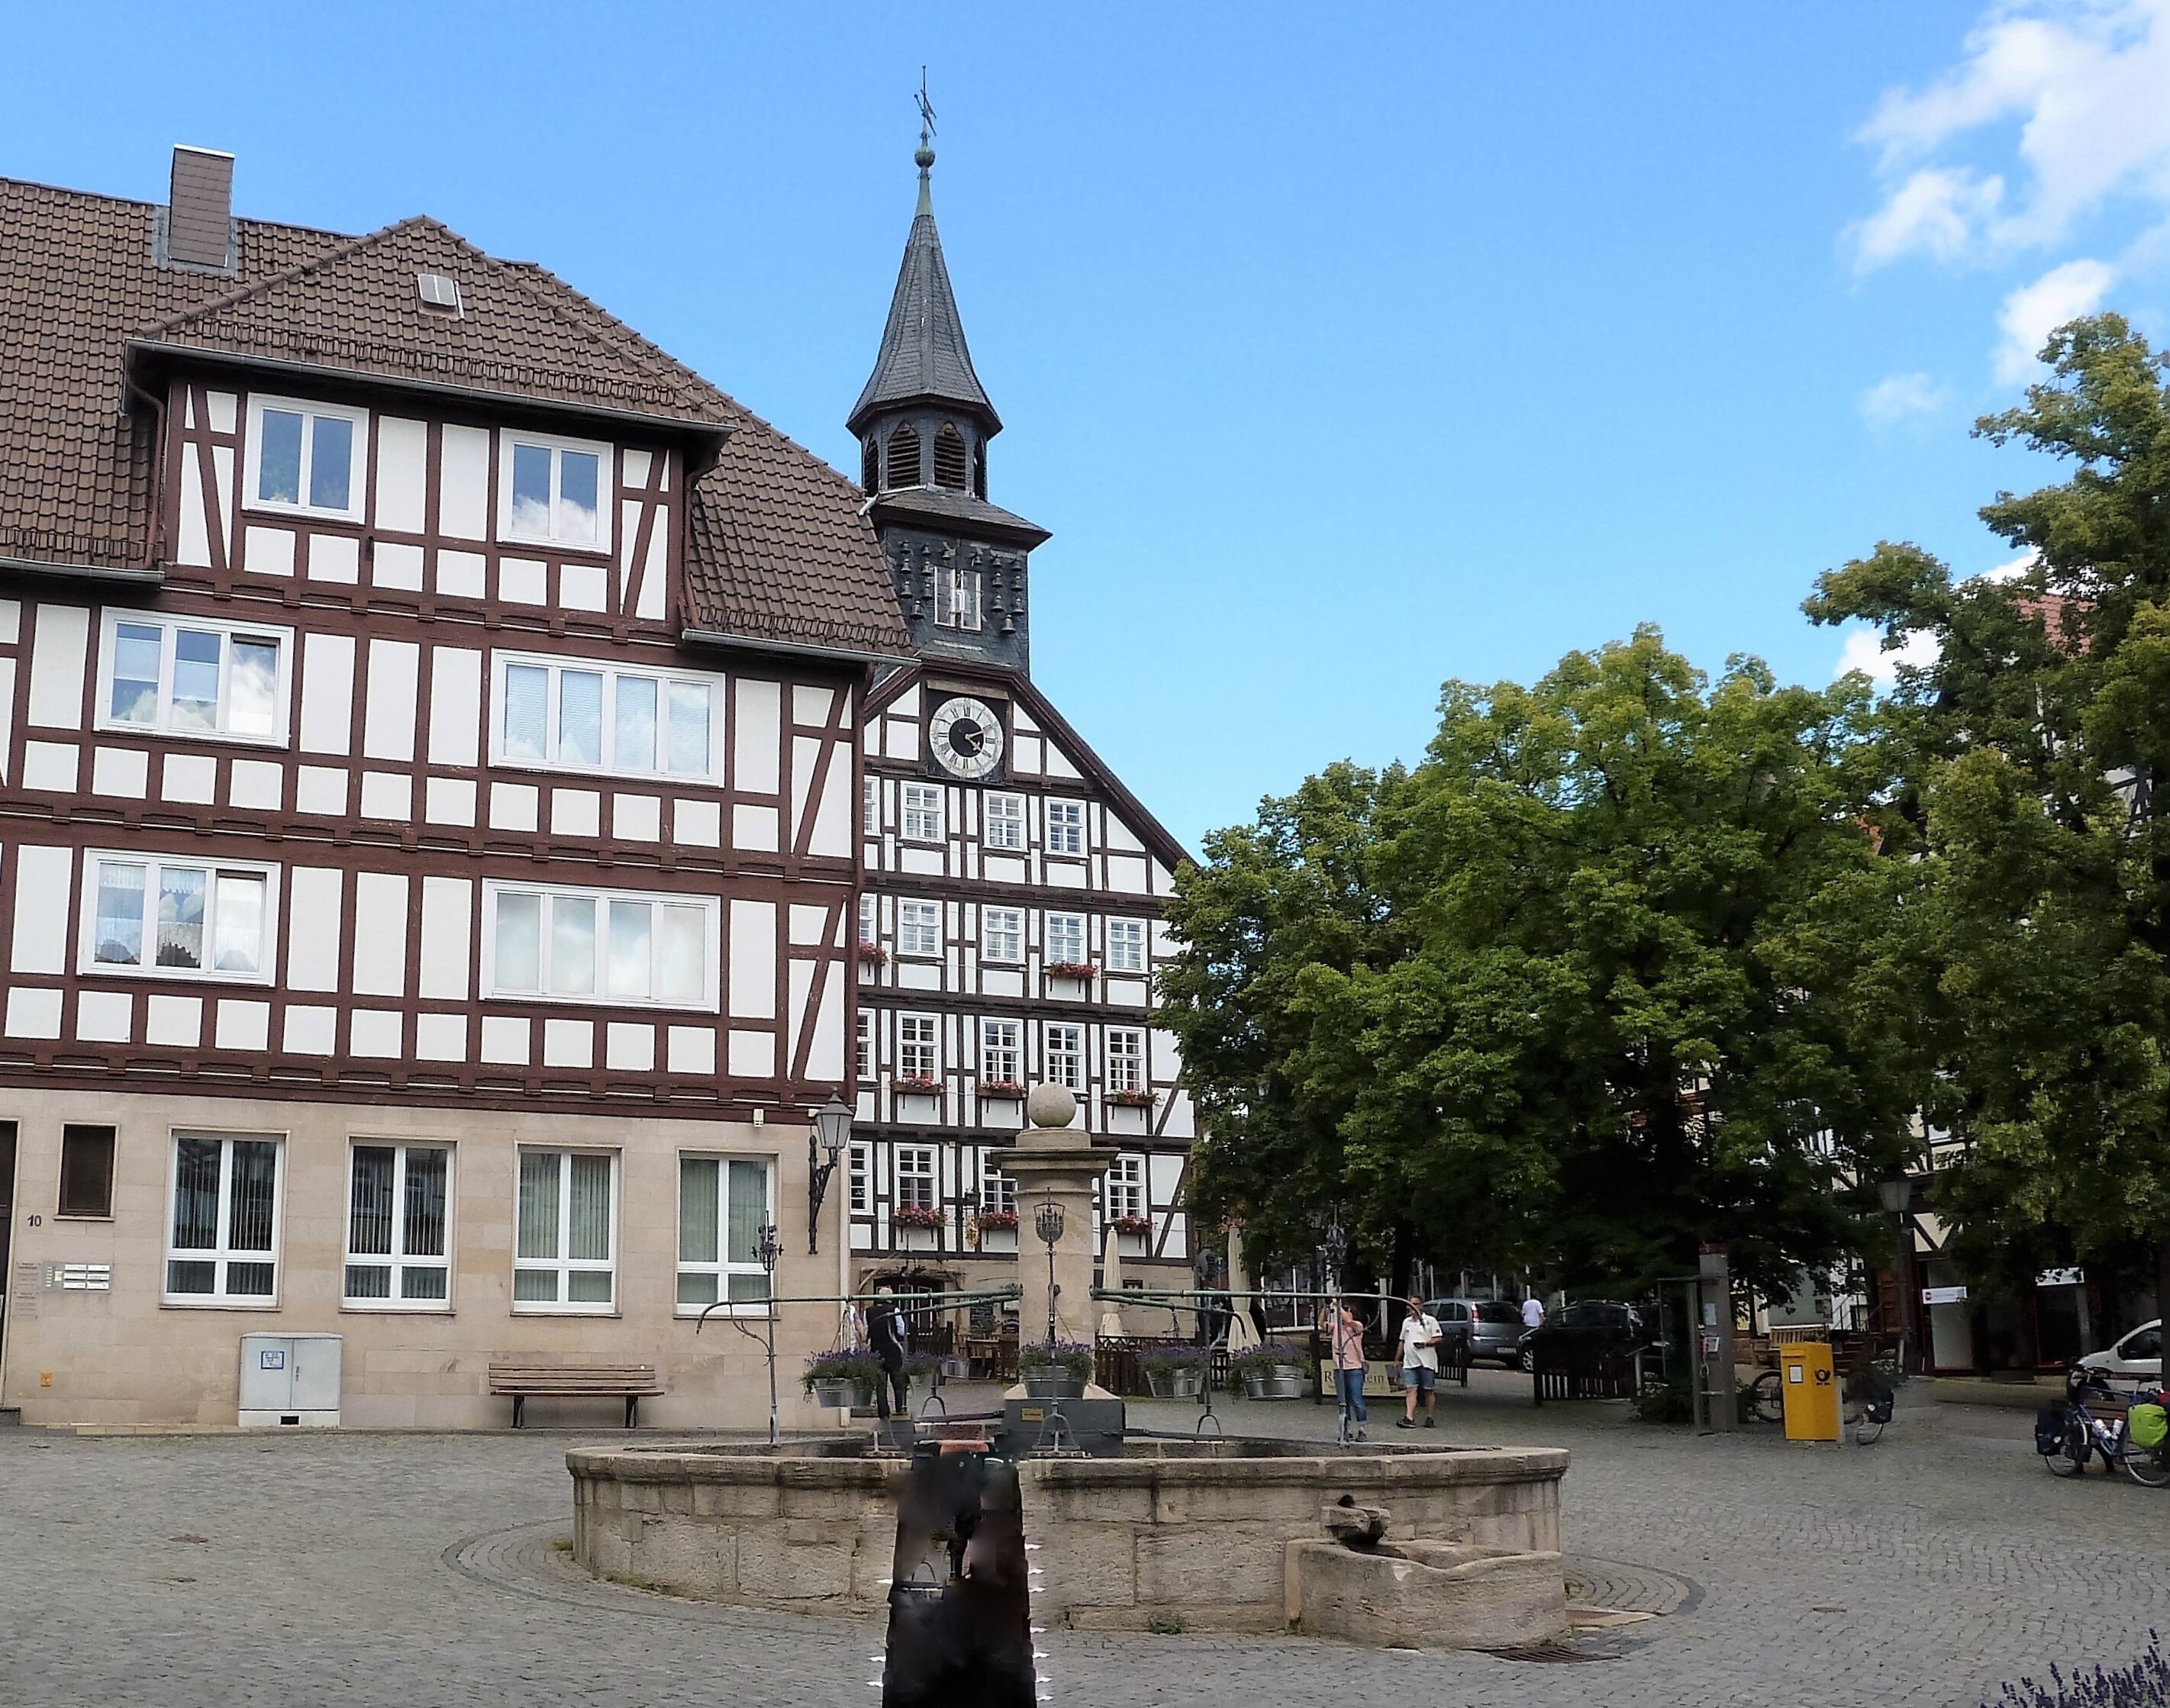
x,y
438,291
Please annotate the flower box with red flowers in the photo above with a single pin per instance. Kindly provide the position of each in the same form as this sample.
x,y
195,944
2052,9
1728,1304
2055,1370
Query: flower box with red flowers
x,y
917,1085
1001,1088
1070,969
1132,1100
999,1221
1131,1224
915,1216
872,955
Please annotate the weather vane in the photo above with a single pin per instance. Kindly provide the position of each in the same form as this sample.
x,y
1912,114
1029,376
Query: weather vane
x,y
925,110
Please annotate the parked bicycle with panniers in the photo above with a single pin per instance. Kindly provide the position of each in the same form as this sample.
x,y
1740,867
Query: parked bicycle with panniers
x,y
2130,1432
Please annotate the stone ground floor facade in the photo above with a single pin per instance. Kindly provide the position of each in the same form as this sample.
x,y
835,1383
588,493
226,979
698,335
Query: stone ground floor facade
x,y
431,1242
384,1571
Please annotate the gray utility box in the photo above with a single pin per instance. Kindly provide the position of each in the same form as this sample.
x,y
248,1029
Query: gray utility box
x,y
291,1380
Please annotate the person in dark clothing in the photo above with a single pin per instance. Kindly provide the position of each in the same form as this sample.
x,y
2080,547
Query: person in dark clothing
x,y
885,1341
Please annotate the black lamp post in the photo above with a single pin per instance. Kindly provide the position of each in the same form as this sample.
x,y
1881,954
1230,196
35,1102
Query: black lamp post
x,y
768,1249
1333,1253
1047,1223
1898,1198
830,1131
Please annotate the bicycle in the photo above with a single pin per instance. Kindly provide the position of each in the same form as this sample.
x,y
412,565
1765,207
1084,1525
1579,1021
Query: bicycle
x,y
2084,1436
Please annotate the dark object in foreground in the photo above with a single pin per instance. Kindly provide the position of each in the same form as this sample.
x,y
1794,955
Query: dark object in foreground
x,y
960,1610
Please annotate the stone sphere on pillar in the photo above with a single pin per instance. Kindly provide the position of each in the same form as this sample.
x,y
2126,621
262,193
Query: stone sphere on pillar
x,y
1051,1106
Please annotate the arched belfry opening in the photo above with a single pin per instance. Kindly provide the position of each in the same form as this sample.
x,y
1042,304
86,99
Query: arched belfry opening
x,y
950,460
903,468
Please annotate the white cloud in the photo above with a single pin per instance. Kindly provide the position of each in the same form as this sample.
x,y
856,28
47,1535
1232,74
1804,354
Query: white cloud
x,y
1898,397
2033,312
2088,83
1863,651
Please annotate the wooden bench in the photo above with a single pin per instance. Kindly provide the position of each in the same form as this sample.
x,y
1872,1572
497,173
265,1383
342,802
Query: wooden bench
x,y
631,1382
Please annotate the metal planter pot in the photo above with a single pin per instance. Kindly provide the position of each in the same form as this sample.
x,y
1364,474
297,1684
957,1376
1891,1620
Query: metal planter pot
x,y
842,1396
1050,1382
1185,1383
1282,1382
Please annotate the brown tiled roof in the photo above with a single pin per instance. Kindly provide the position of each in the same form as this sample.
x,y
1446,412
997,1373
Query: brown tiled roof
x,y
780,551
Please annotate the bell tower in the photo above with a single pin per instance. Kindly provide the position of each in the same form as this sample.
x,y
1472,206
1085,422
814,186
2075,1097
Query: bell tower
x,y
957,561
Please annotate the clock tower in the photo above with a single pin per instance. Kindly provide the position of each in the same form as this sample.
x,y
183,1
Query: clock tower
x,y
957,561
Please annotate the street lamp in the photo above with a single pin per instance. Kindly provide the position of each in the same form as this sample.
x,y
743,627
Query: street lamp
x,y
768,1248
1047,1223
1898,1198
830,1131
1333,1253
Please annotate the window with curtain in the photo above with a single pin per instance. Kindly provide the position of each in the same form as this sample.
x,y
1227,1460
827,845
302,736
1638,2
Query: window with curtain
x,y
578,716
178,918
195,678
724,1202
399,1209
616,947
566,1244
222,1241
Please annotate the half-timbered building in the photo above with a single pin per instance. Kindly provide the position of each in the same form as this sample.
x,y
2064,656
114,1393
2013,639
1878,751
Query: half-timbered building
x,y
1011,924
430,820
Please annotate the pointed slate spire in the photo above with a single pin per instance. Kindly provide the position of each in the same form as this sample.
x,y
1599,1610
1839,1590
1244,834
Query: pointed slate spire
x,y
924,358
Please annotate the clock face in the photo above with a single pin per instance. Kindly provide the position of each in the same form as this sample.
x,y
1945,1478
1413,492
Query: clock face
x,y
966,737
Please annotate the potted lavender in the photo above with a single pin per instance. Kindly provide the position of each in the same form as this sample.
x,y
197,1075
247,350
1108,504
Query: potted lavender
x,y
1054,1370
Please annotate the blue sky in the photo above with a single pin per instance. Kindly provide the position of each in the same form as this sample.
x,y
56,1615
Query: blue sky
x,y
1344,350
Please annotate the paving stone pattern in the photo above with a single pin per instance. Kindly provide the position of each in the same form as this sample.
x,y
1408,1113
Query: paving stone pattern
x,y
401,1572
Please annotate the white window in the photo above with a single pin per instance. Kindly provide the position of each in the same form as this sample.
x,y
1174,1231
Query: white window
x,y
1066,1055
918,1057
869,912
724,1204
922,812
580,715
1002,933
1066,827
564,1259
997,1191
1003,821
915,1176
399,1203
305,459
1126,1058
1001,1049
859,1175
1126,1193
870,807
164,918
194,677
599,945
863,1056
957,598
554,491
223,1243
1126,946
919,927
1065,939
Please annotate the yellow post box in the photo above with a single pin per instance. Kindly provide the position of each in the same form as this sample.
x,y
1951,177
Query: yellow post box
x,y
1810,1387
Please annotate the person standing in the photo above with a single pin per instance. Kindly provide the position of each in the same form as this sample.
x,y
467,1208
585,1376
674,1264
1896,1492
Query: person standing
x,y
1533,1312
1421,1338
1346,1335
885,1340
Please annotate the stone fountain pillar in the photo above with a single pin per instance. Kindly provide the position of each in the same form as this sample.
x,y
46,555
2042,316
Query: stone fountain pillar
x,y
1051,1162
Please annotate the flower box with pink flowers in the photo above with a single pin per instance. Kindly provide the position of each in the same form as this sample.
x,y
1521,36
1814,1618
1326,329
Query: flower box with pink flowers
x,y
1081,970
917,1086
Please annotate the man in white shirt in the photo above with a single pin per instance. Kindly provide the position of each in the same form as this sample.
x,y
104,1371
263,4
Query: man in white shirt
x,y
1533,1312
1421,1338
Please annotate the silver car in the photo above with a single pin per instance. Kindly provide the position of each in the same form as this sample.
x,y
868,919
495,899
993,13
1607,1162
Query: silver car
x,y
1491,1328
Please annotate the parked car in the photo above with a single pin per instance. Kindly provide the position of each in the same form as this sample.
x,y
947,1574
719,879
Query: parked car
x,y
1493,1327
1590,1320
2137,1357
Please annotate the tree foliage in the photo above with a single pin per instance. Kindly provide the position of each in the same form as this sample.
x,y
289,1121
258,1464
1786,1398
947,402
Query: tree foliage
x,y
1602,978
2032,752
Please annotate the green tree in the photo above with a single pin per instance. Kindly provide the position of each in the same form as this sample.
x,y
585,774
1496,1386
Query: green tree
x,y
1594,983
2034,749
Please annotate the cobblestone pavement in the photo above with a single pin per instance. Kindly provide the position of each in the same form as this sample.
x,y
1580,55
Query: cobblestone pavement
x,y
406,1571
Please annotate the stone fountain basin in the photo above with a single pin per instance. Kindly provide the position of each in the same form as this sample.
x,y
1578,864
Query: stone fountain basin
x,y
1174,1529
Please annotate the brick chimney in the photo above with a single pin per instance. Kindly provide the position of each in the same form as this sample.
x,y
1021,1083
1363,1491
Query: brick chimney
x,y
200,218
